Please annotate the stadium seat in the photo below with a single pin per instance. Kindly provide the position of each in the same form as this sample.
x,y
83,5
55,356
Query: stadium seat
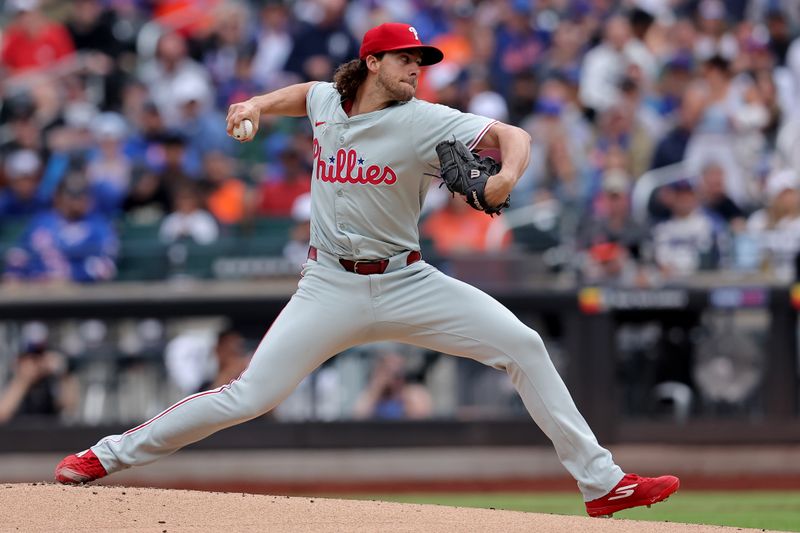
x,y
10,232
141,255
265,236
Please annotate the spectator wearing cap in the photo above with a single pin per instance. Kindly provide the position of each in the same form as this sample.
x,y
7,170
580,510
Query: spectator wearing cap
x,y
622,141
200,121
22,196
609,264
776,227
71,136
610,219
169,69
152,192
715,200
672,84
561,140
143,143
189,221
612,244
713,38
672,147
32,41
686,242
67,242
241,84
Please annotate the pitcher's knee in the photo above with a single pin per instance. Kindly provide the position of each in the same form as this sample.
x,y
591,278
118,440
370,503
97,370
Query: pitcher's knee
x,y
527,342
246,403
522,345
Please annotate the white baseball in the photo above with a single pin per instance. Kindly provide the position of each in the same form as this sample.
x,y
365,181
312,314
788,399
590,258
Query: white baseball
x,y
243,131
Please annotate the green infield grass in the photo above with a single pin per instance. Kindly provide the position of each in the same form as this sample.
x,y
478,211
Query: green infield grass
x,y
758,509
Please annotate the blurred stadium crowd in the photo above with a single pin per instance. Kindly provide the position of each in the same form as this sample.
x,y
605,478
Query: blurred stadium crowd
x,y
664,132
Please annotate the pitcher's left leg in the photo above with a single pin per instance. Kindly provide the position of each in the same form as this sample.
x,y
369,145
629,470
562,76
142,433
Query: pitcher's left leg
x,y
443,314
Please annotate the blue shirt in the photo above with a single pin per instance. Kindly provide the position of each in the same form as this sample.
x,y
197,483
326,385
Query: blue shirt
x,y
53,247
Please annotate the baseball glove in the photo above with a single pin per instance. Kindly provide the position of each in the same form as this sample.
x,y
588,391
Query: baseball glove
x,y
466,173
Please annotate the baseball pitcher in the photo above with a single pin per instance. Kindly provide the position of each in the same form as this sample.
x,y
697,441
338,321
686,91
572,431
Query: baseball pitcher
x,y
365,280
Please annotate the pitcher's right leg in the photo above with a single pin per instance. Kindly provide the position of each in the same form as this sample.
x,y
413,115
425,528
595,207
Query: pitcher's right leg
x,y
450,316
336,310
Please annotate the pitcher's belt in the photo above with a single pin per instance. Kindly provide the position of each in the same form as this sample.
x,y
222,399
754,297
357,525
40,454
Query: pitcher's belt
x,y
373,266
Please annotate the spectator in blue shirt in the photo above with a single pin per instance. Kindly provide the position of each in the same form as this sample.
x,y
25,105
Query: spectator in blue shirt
x,y
67,242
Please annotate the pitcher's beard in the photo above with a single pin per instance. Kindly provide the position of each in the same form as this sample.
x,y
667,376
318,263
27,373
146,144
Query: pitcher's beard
x,y
396,90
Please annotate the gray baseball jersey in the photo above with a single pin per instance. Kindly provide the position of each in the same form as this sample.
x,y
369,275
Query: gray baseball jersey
x,y
368,186
372,171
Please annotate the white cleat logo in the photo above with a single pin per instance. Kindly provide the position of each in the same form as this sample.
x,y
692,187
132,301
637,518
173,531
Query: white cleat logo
x,y
624,492
81,454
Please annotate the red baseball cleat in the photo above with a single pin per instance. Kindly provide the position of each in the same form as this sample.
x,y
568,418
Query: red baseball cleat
x,y
80,467
633,491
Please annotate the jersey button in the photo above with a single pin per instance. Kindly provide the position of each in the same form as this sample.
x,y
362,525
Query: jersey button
x,y
341,226
357,251
341,140
339,193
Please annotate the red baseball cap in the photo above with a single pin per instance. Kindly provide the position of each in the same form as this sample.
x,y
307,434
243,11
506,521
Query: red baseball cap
x,y
392,36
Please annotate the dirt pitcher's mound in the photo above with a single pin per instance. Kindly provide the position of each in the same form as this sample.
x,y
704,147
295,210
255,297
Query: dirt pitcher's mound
x,y
46,507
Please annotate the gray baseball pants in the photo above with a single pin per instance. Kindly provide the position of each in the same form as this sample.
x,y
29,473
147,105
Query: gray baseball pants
x,y
333,310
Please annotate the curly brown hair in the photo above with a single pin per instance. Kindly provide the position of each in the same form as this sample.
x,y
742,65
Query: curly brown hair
x,y
349,77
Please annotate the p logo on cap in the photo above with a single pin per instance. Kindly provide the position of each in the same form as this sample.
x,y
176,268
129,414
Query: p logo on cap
x,y
394,36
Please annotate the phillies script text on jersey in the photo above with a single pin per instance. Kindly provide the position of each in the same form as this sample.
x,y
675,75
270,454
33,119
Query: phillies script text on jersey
x,y
347,167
